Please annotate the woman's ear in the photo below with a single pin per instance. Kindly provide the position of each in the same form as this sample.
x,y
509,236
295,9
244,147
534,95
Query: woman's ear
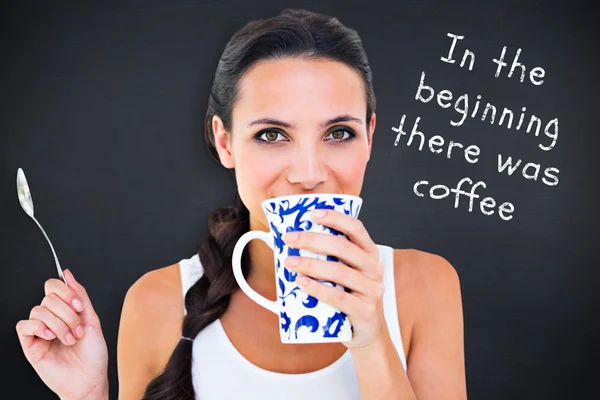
x,y
370,133
222,142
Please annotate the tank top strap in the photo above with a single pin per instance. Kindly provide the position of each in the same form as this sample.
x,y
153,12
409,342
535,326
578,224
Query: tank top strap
x,y
390,309
190,270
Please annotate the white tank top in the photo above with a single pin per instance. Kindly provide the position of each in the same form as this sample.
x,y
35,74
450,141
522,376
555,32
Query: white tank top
x,y
219,371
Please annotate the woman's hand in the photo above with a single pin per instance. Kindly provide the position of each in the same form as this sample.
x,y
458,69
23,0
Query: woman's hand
x,y
358,269
71,361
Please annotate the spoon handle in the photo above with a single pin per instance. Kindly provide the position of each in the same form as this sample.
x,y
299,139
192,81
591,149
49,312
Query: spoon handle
x,y
60,272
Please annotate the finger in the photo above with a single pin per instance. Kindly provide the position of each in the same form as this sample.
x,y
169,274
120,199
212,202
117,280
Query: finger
x,y
27,329
66,293
337,246
55,324
88,315
347,303
34,349
349,225
337,272
63,311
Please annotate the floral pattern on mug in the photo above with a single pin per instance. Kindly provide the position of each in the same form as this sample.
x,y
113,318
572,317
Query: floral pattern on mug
x,y
303,318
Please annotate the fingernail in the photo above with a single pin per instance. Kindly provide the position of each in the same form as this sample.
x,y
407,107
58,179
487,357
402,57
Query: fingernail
x,y
77,304
303,281
318,213
290,236
49,334
70,338
79,331
291,261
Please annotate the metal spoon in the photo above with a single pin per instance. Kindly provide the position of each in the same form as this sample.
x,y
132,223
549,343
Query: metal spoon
x,y
27,205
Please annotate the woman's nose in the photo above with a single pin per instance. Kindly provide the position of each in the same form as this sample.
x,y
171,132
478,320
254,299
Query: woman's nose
x,y
307,167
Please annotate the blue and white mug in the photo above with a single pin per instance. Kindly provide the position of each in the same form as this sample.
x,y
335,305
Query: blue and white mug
x,y
302,318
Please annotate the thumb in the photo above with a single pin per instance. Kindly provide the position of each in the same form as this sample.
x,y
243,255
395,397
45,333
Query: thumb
x,y
88,315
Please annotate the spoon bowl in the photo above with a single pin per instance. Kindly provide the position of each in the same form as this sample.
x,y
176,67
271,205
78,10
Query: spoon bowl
x,y
26,202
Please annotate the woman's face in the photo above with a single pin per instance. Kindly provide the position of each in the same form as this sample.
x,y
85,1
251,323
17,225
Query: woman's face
x,y
284,140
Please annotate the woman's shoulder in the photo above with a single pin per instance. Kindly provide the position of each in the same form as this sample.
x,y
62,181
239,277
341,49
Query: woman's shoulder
x,y
423,279
427,288
417,270
159,288
159,293
151,319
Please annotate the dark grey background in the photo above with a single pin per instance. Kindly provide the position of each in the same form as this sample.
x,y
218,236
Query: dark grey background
x,y
102,105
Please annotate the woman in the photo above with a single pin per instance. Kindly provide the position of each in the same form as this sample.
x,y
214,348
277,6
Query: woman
x,y
291,110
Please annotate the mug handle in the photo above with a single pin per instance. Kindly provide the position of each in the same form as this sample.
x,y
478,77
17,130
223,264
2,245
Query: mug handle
x,y
237,268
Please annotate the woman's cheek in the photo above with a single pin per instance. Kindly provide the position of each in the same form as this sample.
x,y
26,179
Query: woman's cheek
x,y
260,166
350,166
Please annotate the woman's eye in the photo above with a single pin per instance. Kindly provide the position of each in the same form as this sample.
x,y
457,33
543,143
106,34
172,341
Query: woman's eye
x,y
339,134
270,135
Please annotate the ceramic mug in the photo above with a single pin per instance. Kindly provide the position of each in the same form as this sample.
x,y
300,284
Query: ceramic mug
x,y
302,318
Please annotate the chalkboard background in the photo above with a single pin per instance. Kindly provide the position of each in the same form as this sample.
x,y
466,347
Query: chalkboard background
x,y
102,106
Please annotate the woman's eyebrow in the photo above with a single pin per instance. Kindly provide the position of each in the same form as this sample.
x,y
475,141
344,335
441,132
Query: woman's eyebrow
x,y
287,125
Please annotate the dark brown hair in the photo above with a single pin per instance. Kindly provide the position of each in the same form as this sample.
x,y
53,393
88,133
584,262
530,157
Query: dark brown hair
x,y
292,33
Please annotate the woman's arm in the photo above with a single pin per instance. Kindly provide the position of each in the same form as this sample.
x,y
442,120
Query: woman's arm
x,y
149,329
380,372
435,366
